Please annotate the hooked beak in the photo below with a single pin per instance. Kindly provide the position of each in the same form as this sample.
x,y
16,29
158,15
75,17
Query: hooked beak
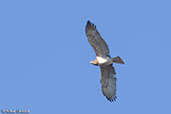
x,y
91,62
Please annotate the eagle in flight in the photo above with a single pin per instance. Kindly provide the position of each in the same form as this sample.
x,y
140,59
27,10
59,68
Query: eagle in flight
x,y
104,60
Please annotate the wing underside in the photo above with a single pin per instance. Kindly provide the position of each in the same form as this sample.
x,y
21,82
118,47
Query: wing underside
x,y
108,82
99,45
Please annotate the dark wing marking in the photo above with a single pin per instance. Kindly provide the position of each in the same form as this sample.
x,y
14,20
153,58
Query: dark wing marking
x,y
96,41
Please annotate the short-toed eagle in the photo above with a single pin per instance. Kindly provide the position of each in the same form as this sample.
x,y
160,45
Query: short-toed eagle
x,y
103,59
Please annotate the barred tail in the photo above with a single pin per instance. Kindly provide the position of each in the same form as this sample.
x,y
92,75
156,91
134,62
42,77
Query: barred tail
x,y
118,60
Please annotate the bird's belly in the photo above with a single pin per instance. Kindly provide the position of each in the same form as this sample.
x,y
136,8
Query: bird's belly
x,y
102,60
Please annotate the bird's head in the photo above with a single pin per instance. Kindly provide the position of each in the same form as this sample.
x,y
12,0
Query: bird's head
x,y
94,62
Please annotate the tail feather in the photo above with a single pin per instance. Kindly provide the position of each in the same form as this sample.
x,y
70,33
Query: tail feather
x,y
118,60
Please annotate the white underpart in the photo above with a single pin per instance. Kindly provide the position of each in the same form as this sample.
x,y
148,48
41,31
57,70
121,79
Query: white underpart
x,y
101,60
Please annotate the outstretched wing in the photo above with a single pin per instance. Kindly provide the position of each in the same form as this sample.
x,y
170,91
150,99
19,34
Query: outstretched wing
x,y
108,82
96,41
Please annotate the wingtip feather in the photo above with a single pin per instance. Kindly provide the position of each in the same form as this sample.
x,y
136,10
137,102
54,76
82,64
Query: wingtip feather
x,y
89,23
112,99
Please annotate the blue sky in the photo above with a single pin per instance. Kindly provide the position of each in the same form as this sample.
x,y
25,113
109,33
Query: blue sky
x,y
44,56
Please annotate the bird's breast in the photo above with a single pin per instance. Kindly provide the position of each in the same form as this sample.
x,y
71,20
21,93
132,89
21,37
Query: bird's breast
x,y
101,60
